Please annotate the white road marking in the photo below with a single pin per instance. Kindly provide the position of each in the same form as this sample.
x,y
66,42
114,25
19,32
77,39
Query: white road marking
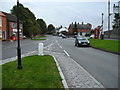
x,y
66,53
60,46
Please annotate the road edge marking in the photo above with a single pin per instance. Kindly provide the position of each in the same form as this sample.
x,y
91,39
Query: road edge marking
x,y
66,53
61,73
60,46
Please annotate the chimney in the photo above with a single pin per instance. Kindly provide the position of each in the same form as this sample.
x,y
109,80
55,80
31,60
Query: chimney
x,y
82,23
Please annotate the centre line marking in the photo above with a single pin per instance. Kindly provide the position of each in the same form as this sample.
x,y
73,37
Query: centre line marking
x,y
66,53
60,46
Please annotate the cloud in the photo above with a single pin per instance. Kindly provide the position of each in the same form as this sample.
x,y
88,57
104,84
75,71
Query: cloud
x,y
22,1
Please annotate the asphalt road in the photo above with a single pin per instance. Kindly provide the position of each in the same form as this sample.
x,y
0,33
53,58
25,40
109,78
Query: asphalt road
x,y
101,65
9,49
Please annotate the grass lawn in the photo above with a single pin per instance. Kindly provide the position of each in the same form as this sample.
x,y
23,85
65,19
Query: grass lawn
x,y
37,72
106,44
38,39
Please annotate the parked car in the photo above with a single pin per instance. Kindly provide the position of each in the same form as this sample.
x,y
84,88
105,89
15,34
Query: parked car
x,y
81,41
91,36
64,36
24,37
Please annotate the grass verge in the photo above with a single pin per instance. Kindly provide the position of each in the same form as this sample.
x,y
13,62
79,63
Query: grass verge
x,y
41,36
37,72
110,45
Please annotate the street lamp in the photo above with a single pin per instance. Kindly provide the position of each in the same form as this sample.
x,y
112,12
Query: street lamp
x,y
102,36
18,48
109,19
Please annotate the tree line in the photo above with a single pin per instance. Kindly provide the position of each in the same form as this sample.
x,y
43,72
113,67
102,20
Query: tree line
x,y
31,25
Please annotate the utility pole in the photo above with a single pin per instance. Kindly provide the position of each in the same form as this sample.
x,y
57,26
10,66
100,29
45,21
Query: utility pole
x,y
18,48
109,19
102,36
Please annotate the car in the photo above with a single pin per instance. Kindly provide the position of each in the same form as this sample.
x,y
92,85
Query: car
x,y
81,41
91,36
64,36
24,37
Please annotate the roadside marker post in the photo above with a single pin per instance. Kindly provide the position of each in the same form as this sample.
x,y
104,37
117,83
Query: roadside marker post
x,y
40,49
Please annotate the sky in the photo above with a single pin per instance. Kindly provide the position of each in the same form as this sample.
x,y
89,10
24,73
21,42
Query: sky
x,y
64,12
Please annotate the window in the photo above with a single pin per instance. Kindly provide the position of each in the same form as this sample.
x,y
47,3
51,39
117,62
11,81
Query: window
x,y
0,21
0,33
14,25
20,26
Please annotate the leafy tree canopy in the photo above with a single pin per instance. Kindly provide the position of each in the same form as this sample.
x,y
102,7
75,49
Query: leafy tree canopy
x,y
26,16
50,29
42,25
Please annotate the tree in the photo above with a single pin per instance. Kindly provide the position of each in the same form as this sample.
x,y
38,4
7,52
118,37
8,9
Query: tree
x,y
34,30
50,29
116,20
26,16
42,25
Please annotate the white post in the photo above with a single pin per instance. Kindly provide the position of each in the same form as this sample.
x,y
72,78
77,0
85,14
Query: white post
x,y
40,49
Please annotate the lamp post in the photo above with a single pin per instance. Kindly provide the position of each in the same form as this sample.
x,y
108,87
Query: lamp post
x,y
109,19
102,36
18,47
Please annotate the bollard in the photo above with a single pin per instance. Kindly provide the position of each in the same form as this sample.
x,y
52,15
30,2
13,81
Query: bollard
x,y
40,49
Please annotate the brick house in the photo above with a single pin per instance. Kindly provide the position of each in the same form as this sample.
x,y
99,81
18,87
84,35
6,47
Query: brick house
x,y
9,24
81,28
3,26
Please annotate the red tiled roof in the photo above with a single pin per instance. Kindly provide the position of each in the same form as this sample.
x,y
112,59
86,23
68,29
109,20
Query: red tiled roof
x,y
1,14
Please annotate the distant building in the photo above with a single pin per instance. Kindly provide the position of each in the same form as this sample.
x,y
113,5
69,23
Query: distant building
x,y
116,8
9,26
82,29
63,29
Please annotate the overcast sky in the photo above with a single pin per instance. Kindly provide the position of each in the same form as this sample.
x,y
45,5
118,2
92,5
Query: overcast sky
x,y
64,12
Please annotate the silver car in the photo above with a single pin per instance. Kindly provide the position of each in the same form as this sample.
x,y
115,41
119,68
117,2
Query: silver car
x,y
82,41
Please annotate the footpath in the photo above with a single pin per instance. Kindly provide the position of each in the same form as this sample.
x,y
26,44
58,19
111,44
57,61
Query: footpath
x,y
74,76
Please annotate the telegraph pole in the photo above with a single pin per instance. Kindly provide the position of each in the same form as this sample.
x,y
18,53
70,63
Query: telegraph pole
x,y
18,48
102,36
109,19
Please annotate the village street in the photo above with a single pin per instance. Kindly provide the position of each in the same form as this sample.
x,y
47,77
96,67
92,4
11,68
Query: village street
x,y
103,66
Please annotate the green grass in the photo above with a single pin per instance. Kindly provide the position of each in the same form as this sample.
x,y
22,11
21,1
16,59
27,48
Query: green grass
x,y
38,39
37,72
41,36
110,45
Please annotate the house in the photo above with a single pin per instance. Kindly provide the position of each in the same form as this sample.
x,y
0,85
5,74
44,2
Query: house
x,y
9,26
3,26
81,29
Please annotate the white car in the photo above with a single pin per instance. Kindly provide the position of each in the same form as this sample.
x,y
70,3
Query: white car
x,y
91,36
